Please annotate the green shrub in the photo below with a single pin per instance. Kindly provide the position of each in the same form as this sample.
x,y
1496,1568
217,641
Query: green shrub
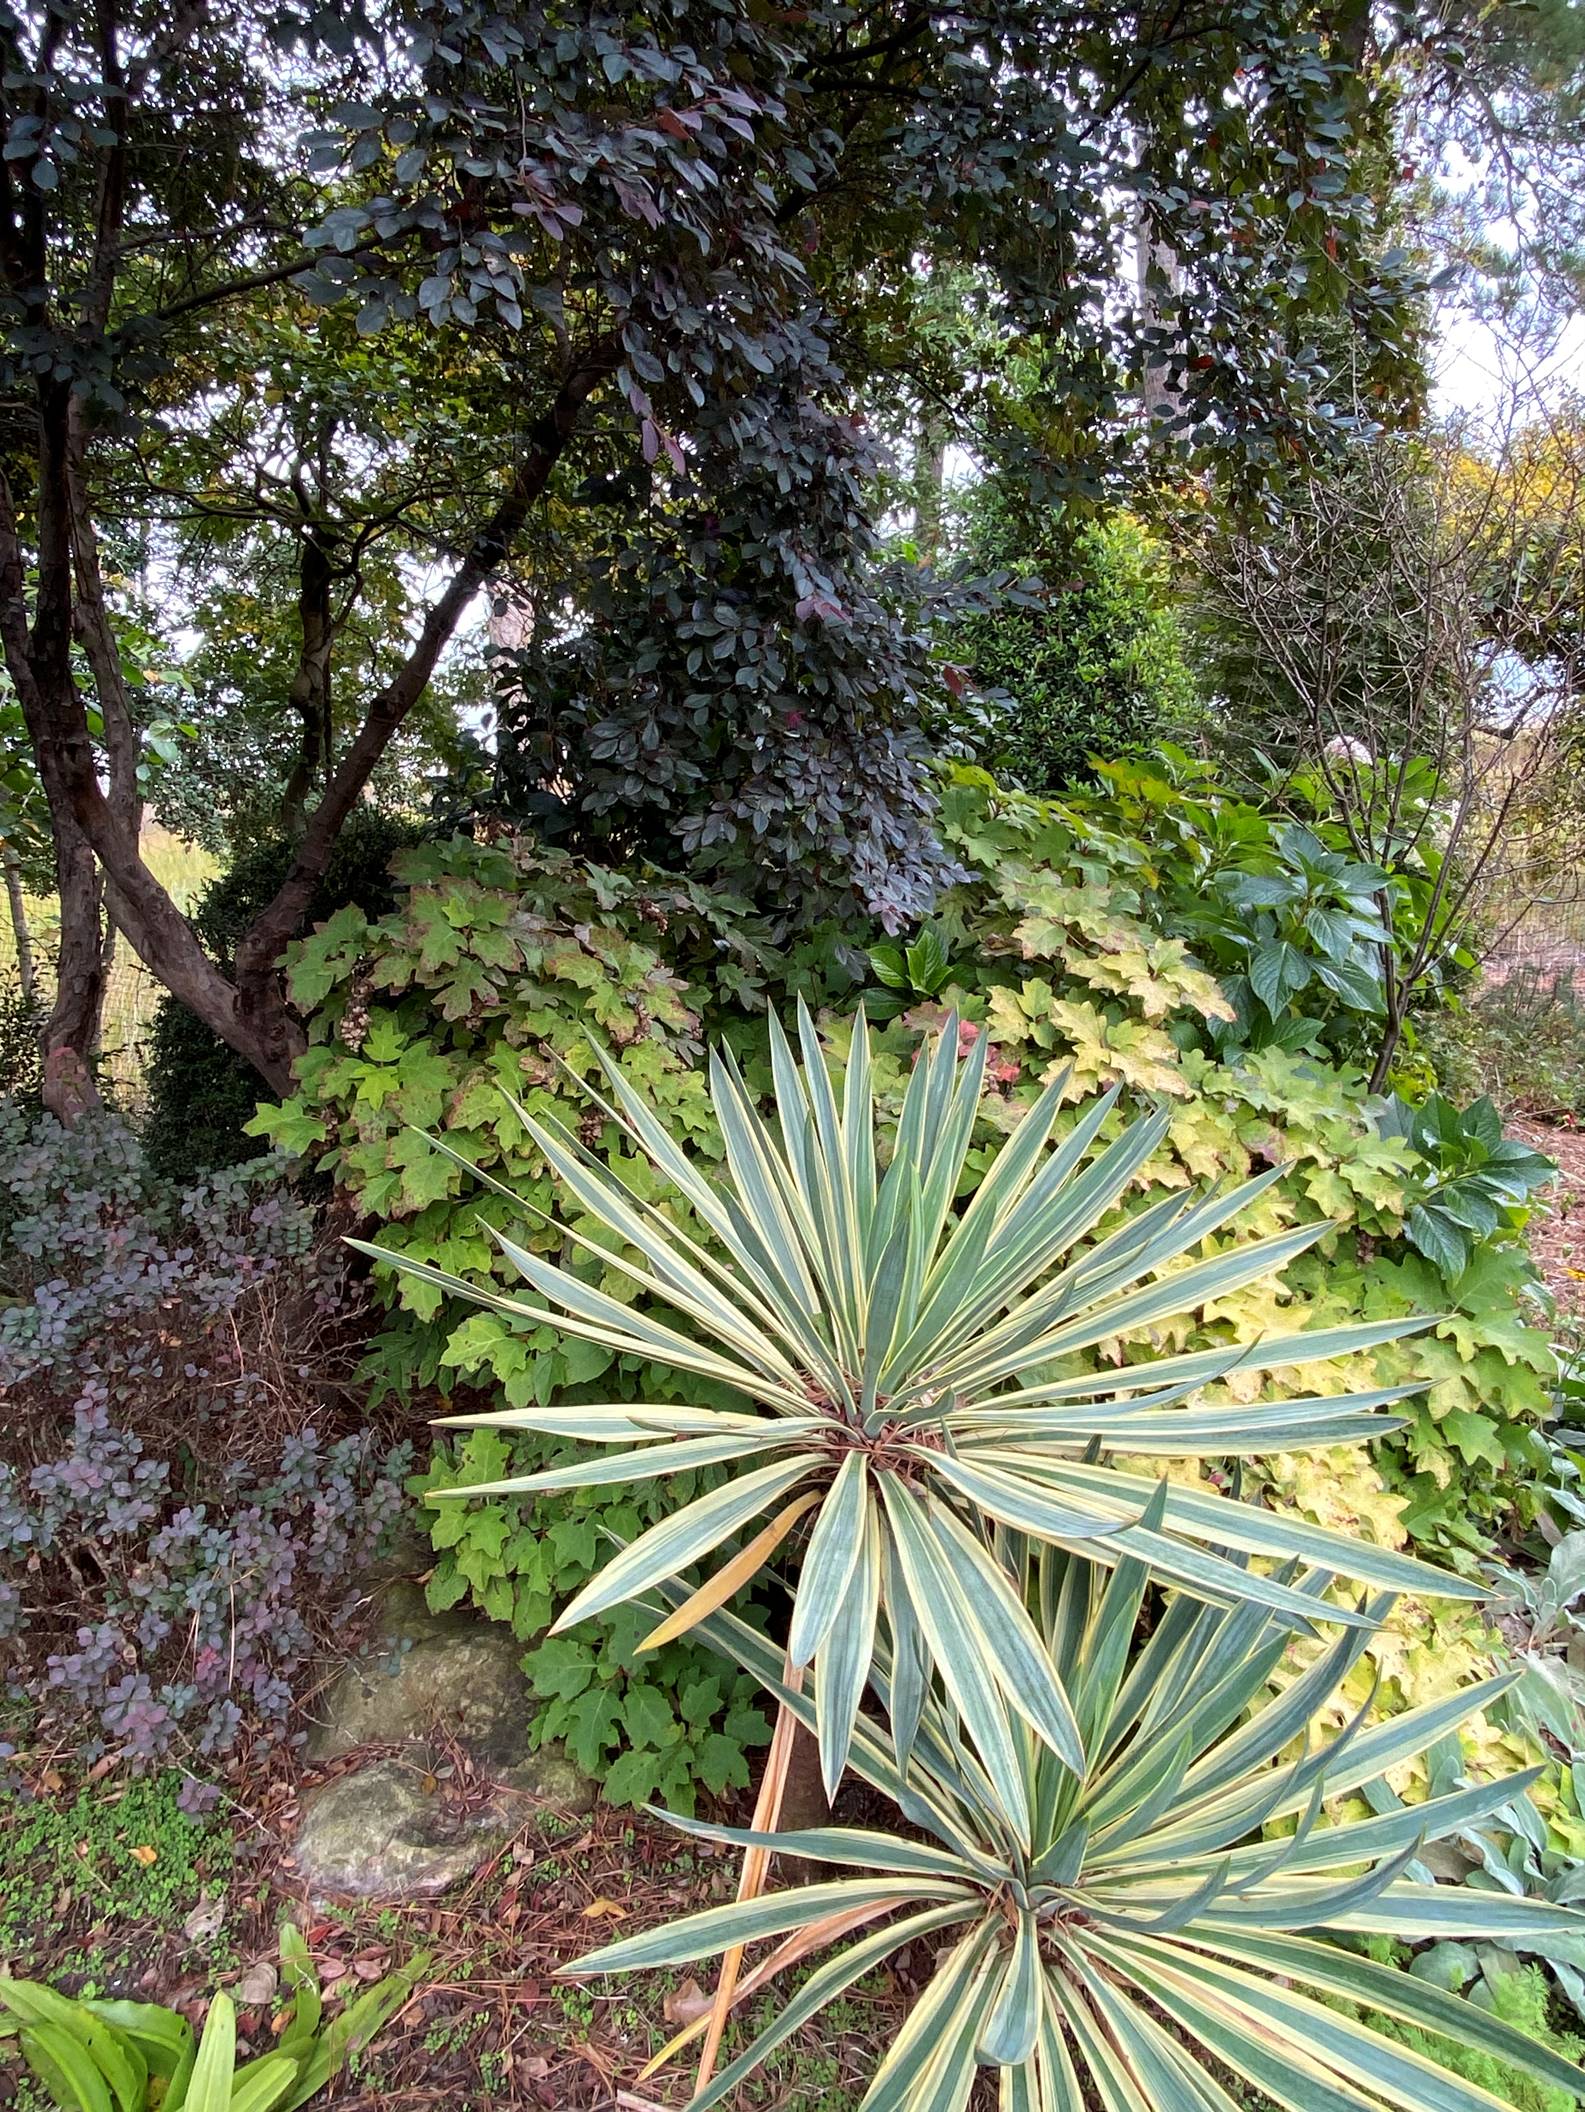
x,y
1520,1038
503,963
500,964
1271,895
202,1094
1096,669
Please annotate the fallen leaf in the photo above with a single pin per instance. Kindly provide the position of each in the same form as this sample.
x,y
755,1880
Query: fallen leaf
x,y
257,1985
205,1919
686,2004
144,1854
373,1966
604,1909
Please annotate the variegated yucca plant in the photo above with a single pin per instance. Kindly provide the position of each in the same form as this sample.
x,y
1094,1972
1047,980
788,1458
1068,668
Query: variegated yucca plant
x,y
900,1356
1092,1816
1169,1926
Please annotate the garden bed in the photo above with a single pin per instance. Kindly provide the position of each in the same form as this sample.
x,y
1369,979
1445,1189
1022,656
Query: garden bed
x,y
112,1884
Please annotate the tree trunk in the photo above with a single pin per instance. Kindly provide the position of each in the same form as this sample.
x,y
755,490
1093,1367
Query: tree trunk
x,y
310,690
929,483
251,1014
27,973
71,1034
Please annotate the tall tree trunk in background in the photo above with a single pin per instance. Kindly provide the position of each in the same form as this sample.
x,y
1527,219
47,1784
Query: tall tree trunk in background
x,y
929,482
27,973
1157,276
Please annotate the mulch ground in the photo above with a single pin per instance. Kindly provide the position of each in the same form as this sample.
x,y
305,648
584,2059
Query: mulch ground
x,y
490,2025
1557,1230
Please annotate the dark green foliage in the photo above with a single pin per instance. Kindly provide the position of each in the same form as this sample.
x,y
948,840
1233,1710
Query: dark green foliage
x,y
1474,1177
1096,668
201,1092
20,1062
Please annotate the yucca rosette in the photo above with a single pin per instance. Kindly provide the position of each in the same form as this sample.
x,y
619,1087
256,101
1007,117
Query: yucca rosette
x,y
892,1345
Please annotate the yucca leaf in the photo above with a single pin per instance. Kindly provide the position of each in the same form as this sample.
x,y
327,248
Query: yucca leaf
x,y
1365,1840
1273,1353
830,1559
1286,2071
963,1653
823,1986
910,1674
843,1665
1280,1534
745,1921
1390,2070
858,1847
1109,2081
944,2020
731,1577
609,1422
1429,1913
676,1542
1172,2079
1013,2026
1022,1665
1327,1969
680,1456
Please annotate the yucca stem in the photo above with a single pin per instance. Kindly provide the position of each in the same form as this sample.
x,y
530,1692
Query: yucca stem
x,y
756,1865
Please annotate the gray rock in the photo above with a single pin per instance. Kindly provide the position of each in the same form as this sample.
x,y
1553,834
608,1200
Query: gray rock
x,y
381,1833
425,1673
402,1826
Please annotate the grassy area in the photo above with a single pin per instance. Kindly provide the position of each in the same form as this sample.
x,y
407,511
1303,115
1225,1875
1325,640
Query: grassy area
x,y
182,869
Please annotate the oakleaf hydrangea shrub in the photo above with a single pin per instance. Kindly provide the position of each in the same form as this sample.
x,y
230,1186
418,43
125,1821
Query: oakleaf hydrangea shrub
x,y
180,1512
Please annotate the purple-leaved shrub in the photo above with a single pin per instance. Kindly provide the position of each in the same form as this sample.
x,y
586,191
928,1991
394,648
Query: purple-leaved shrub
x,y
183,1506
